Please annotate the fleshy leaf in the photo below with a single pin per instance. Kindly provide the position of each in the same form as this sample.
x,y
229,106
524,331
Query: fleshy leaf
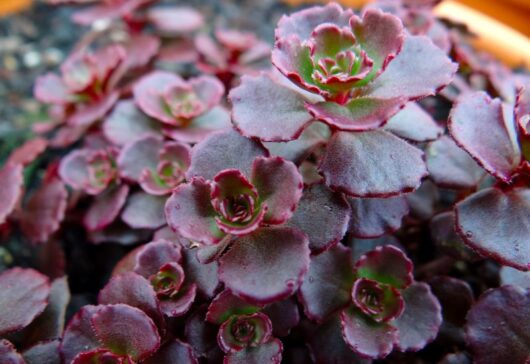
x,y
327,345
127,123
372,164
10,188
415,124
140,154
284,316
189,212
267,353
484,129
24,296
46,352
360,114
254,118
444,235
366,337
273,259
223,150
359,247
44,211
498,327
105,208
9,354
420,320
125,330
225,304
144,211
505,240
386,264
204,275
327,285
134,290
152,256
373,217
330,209
450,166
455,297
408,75
28,152
515,277
173,352
279,186
79,336
175,20
380,302
181,303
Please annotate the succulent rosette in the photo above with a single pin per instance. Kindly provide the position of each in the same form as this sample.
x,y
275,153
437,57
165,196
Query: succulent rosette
x,y
353,74
189,110
381,307
232,53
109,10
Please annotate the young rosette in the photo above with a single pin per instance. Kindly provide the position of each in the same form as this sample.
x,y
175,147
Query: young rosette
x,y
245,333
153,281
189,110
234,204
382,307
86,88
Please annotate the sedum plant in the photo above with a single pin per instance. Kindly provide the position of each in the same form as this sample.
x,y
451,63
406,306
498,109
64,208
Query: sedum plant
x,y
362,197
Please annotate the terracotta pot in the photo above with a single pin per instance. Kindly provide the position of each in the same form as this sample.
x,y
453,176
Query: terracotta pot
x,y
500,25
11,6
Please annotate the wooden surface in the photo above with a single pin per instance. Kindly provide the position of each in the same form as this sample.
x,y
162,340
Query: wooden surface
x,y
11,6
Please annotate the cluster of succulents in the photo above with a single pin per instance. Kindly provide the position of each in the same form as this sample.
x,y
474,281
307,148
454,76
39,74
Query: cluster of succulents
x,y
345,202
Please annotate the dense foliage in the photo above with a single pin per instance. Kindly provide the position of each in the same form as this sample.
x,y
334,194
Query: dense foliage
x,y
364,195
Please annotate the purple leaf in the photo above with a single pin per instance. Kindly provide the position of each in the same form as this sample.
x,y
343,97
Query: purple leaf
x,y
175,20
360,114
415,124
225,305
279,186
284,316
144,211
223,150
515,277
366,337
330,209
24,296
420,320
203,275
484,129
189,212
79,336
127,123
372,164
149,258
327,285
136,291
449,166
181,303
10,189
105,208
380,302
505,240
138,155
44,211
50,89
455,297
254,118
498,327
359,247
28,152
444,235
46,352
125,330
267,353
202,336
273,259
201,126
87,114
409,76
173,352
327,345
9,354
140,48
386,264
373,217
